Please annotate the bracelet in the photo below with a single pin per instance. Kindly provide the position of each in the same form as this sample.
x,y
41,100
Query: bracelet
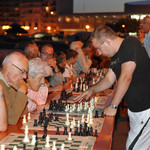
x,y
113,106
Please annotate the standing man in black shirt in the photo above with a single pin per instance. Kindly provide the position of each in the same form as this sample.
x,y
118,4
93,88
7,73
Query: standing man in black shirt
x,y
130,66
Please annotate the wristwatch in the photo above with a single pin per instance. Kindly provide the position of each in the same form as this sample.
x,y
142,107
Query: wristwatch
x,y
113,106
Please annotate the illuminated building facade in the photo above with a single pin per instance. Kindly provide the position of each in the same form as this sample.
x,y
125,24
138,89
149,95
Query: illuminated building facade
x,y
53,15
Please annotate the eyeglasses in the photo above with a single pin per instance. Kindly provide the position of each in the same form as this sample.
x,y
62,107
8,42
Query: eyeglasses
x,y
21,70
47,54
98,48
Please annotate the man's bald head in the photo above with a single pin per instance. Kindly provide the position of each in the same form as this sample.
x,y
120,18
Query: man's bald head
x,y
15,58
31,51
15,68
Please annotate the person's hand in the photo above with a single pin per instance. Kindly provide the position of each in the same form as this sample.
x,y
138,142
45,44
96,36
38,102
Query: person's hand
x,y
108,111
51,62
84,96
76,45
21,86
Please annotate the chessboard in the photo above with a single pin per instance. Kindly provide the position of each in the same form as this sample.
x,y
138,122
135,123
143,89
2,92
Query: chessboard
x,y
52,125
59,106
77,143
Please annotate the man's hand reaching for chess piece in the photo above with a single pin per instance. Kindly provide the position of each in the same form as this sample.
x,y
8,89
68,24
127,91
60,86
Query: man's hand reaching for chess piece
x,y
84,96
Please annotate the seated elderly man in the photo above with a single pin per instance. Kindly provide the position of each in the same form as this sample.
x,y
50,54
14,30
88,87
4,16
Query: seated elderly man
x,y
3,110
31,51
37,88
12,87
83,62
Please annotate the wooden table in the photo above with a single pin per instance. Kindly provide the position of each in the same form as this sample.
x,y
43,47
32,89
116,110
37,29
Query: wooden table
x,y
103,141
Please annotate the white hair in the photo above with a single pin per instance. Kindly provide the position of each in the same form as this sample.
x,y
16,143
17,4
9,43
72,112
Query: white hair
x,y
37,66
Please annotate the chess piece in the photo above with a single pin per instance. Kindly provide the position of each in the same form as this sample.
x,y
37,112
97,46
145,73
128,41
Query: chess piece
x,y
82,120
35,133
15,147
54,145
35,123
2,147
29,116
76,131
24,146
69,138
24,119
65,131
102,114
51,106
33,140
80,132
26,139
96,114
56,117
62,146
57,133
45,132
96,133
35,147
47,142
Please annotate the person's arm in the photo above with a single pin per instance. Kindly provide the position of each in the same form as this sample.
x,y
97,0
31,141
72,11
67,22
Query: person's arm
x,y
82,62
102,85
55,88
123,83
18,103
39,96
3,111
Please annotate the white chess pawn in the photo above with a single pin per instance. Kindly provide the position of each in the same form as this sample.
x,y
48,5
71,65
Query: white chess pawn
x,y
78,108
54,145
82,120
62,146
47,142
87,87
67,123
81,106
74,107
74,122
29,116
24,119
71,109
33,140
81,87
78,125
15,147
93,81
87,119
72,125
2,147
69,138
66,108
71,86
85,106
